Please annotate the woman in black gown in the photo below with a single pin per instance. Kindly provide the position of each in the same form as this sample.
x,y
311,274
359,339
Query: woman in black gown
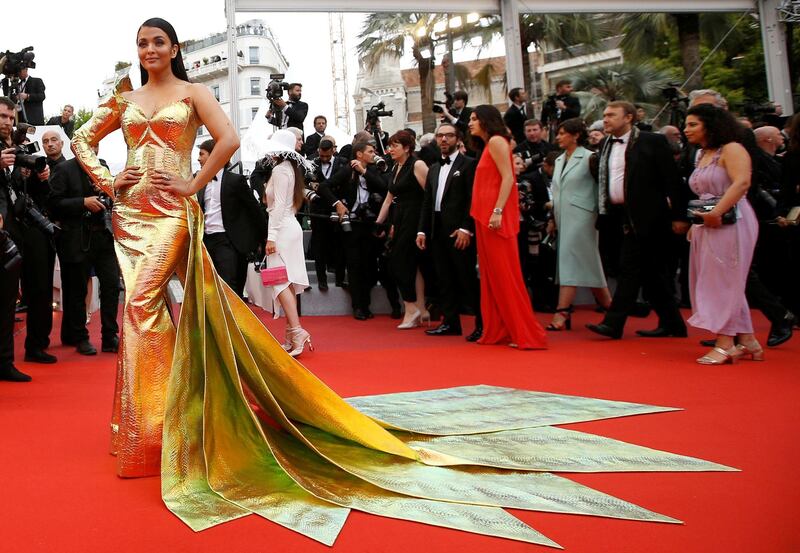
x,y
406,192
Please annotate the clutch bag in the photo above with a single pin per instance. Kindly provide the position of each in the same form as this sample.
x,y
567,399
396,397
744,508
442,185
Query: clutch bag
x,y
705,206
273,276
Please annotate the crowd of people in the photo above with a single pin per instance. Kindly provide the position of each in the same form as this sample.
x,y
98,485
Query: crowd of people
x,y
492,215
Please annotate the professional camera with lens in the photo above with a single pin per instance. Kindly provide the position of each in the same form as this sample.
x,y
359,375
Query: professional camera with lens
x,y
24,153
376,112
11,63
448,103
673,93
9,254
276,86
108,205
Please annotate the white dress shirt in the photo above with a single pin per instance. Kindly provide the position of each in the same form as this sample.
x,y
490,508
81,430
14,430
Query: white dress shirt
x,y
444,172
213,205
362,194
616,170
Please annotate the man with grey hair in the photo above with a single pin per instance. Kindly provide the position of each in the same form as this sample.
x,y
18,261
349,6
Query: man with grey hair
x,y
707,96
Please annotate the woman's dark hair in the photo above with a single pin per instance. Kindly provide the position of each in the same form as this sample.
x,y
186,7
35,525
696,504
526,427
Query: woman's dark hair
x,y
178,69
794,134
405,139
574,126
721,127
491,122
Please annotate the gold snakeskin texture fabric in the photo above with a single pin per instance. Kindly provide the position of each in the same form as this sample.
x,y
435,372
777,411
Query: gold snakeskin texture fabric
x,y
235,426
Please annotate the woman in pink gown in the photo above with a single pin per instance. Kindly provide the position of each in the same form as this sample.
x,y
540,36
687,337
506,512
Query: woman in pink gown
x,y
721,253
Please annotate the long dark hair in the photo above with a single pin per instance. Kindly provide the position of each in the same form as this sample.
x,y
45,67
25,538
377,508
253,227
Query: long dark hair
x,y
178,69
721,127
491,122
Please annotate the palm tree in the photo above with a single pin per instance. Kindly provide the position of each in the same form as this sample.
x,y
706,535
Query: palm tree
x,y
635,82
645,32
389,34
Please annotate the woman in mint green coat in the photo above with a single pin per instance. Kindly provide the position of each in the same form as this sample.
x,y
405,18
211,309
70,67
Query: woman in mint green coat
x,y
575,199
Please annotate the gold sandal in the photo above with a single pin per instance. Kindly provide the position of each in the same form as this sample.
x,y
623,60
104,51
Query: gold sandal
x,y
729,356
755,352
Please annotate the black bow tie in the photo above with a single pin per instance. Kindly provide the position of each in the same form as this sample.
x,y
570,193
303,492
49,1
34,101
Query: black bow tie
x,y
446,160
617,140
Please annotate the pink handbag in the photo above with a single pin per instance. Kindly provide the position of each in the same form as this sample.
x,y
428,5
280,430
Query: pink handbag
x,y
272,276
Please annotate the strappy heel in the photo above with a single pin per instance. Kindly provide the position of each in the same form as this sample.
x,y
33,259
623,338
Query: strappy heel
x,y
566,319
754,351
728,356
299,337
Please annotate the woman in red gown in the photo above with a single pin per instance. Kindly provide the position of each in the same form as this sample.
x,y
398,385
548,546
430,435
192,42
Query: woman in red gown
x,y
506,308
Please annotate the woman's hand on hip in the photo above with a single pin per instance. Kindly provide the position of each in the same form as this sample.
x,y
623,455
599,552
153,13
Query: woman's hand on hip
x,y
127,177
271,247
495,221
170,182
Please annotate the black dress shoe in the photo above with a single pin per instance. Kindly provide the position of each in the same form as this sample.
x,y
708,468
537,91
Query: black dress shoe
x,y
370,314
111,345
39,356
342,284
444,330
605,330
12,374
476,335
781,332
661,332
323,286
85,348
360,315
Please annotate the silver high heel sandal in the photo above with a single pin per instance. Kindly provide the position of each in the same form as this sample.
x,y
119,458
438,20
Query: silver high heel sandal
x,y
299,337
413,322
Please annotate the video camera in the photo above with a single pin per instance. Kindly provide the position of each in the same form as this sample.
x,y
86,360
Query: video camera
x,y
11,63
376,112
448,103
673,93
276,86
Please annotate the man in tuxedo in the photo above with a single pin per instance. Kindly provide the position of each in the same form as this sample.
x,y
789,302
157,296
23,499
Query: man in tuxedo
x,y
65,120
86,242
291,112
53,147
312,141
445,220
235,224
325,243
458,115
30,99
639,190
10,232
518,112
356,192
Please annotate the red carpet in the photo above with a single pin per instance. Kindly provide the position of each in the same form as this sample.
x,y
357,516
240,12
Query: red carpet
x,y
60,493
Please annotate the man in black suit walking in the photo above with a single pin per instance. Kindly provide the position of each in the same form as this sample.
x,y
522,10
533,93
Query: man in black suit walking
x,y
30,99
291,112
517,113
639,190
235,224
445,220
86,242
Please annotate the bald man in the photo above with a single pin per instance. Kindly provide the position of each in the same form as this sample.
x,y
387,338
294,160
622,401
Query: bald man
x,y
53,145
769,139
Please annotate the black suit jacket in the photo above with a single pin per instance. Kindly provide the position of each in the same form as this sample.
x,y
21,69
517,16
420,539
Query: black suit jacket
x,y
34,110
652,185
572,109
312,145
515,121
69,185
462,121
242,216
295,113
343,185
456,200
69,126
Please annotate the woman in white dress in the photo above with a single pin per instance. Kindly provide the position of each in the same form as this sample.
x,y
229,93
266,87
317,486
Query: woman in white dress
x,y
284,196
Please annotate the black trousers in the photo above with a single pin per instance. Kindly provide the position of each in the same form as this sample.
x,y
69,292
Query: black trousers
x,y
101,257
229,263
643,263
9,286
366,264
326,248
456,276
38,265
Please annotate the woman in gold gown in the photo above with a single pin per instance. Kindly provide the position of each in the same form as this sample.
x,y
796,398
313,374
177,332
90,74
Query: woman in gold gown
x,y
230,421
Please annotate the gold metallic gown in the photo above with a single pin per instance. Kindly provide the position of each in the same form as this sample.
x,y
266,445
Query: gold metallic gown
x,y
246,429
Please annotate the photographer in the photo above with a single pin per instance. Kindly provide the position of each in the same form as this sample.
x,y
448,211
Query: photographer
x,y
85,242
560,106
65,120
356,192
36,240
534,148
30,97
292,111
325,242
458,113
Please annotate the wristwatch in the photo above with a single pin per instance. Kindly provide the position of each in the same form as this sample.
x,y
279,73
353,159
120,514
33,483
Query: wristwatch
x,y
498,211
